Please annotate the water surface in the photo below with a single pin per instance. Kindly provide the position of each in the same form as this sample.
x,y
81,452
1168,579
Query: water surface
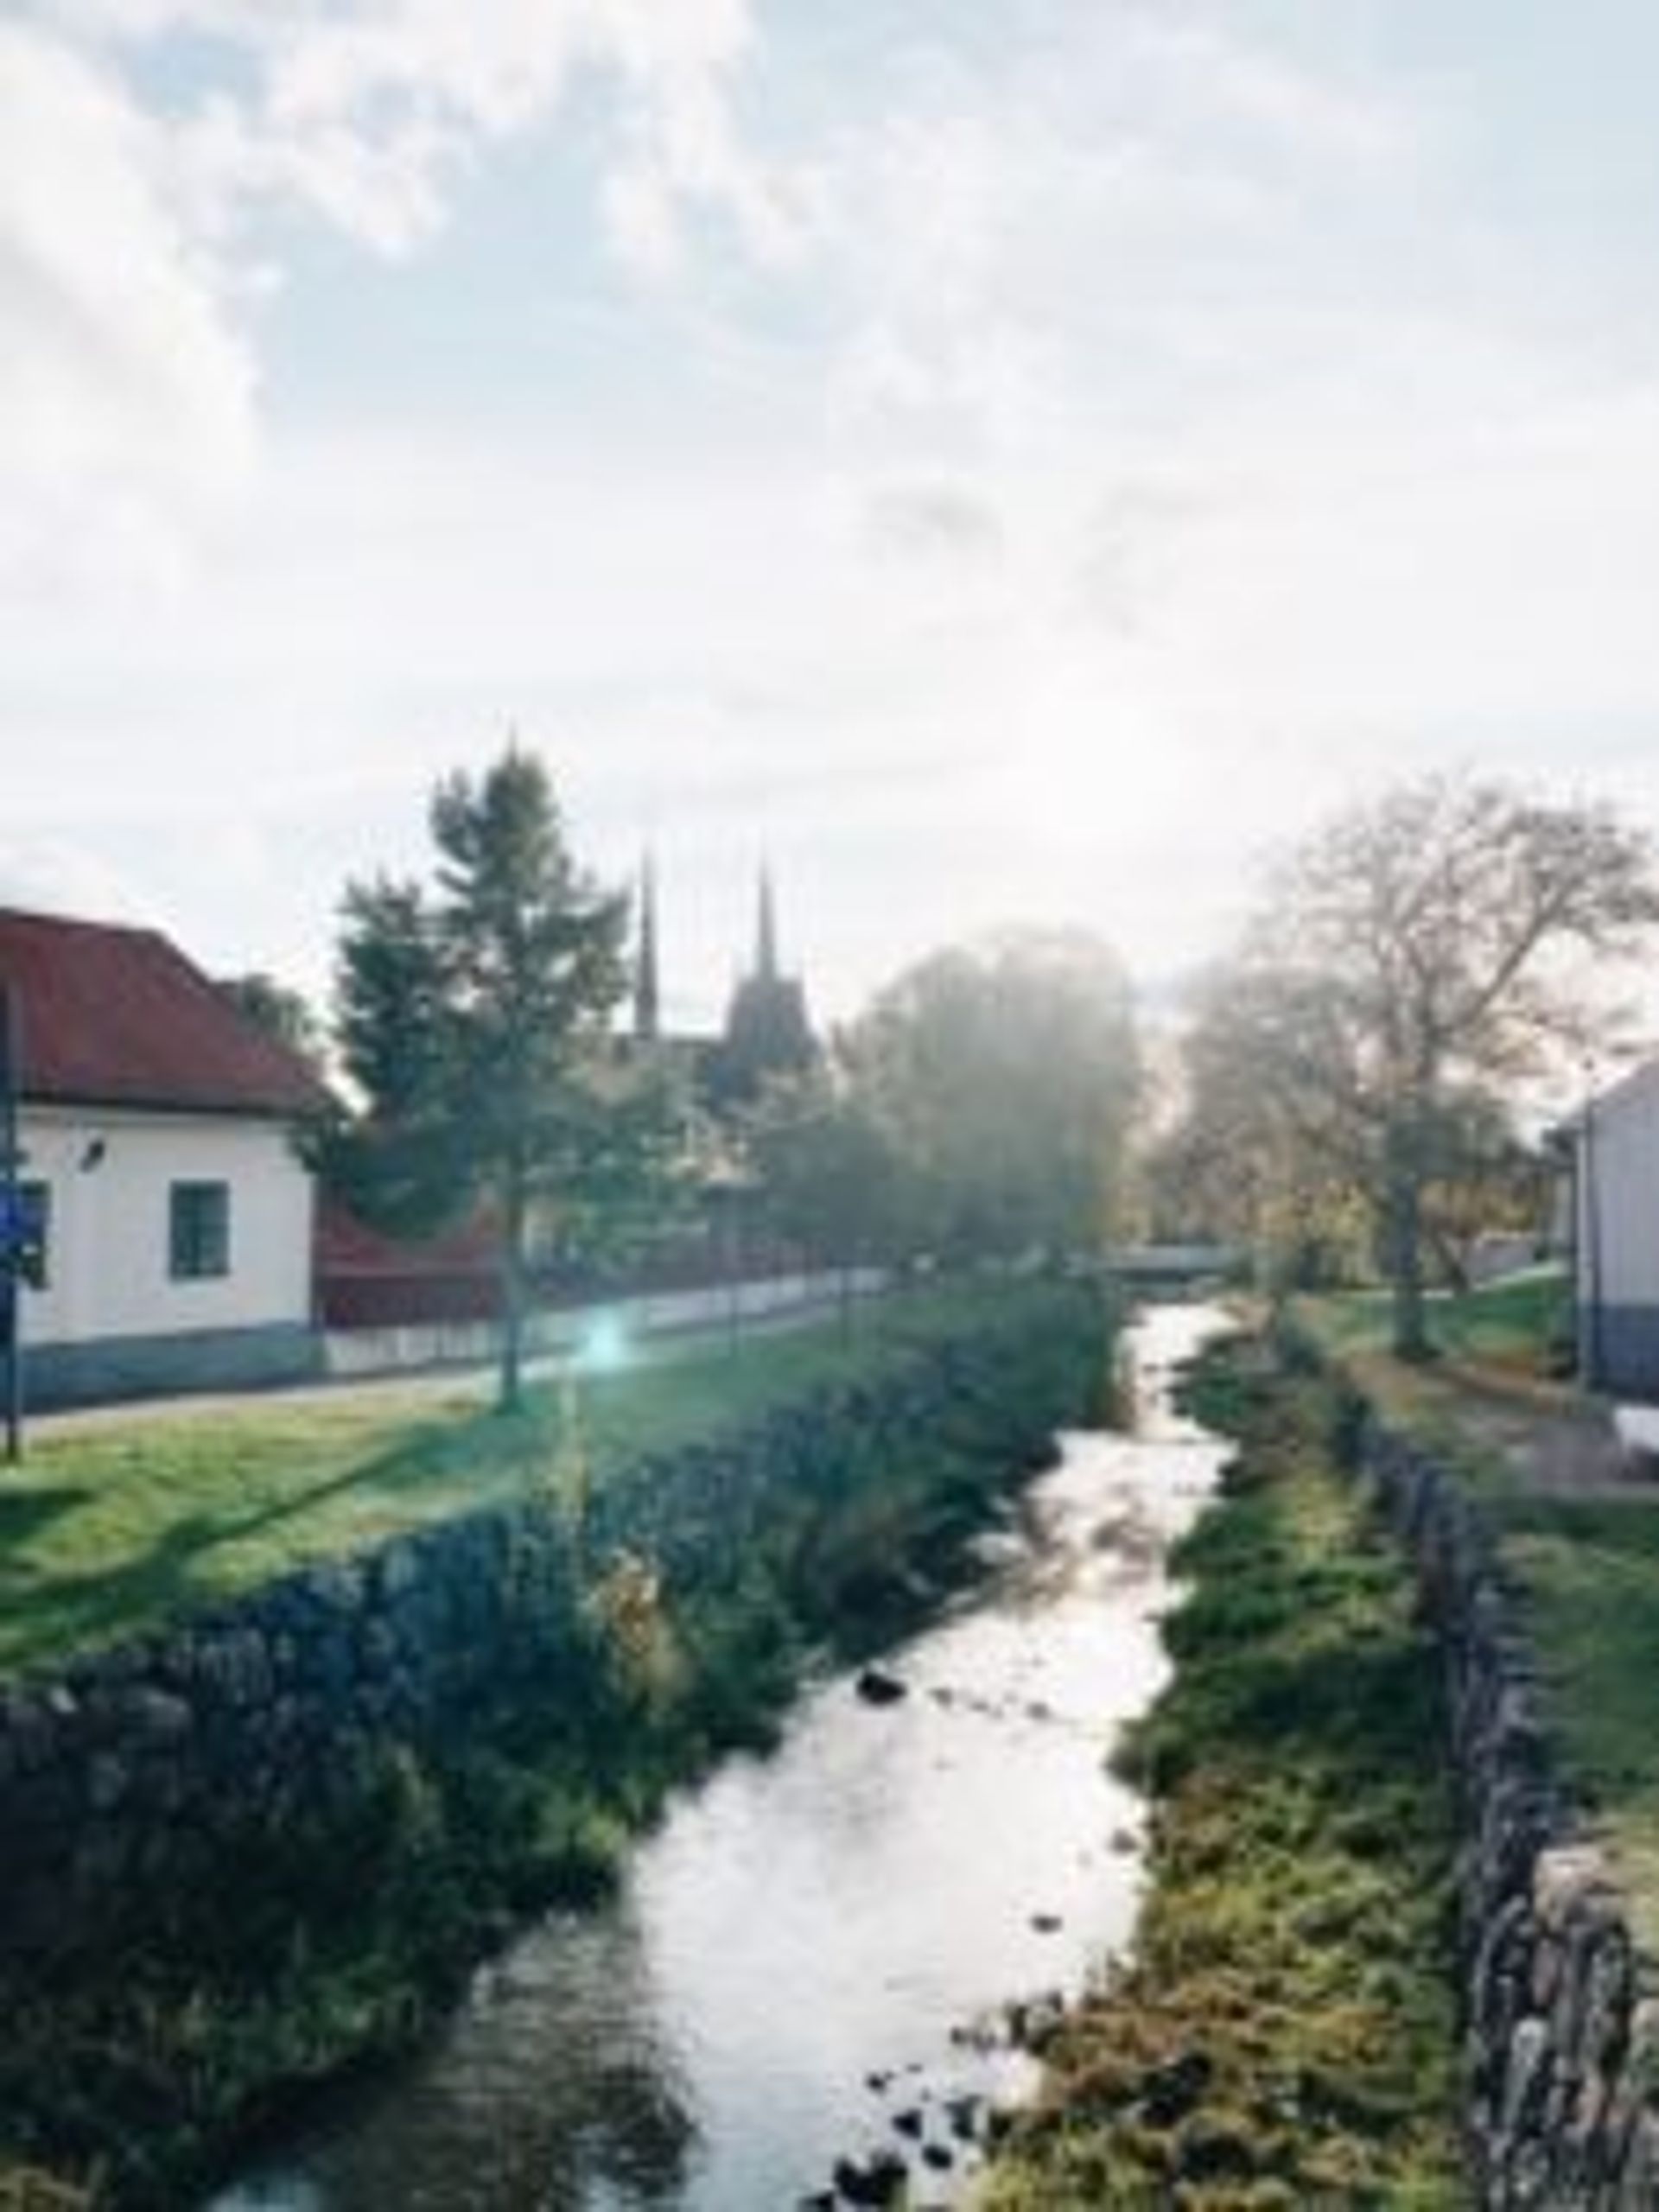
x,y
817,1945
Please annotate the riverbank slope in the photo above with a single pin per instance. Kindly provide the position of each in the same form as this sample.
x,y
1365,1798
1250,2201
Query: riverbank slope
x,y
1284,2034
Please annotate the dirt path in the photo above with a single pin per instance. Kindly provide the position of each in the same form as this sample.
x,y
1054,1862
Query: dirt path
x,y
1555,1442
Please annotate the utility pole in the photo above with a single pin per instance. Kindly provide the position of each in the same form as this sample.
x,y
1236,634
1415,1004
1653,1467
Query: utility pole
x,y
11,1217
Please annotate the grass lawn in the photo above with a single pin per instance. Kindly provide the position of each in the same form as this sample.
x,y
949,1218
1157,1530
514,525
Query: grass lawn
x,y
1496,1350
1589,1569
1508,1327
1587,1566
107,1531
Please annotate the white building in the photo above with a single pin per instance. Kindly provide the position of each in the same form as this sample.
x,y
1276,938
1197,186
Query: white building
x,y
155,1138
1615,1235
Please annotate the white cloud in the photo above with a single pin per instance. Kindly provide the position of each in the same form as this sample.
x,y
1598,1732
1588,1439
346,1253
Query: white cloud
x,y
369,112
131,254
46,874
126,396
1141,447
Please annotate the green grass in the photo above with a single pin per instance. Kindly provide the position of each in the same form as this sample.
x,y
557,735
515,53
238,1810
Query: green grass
x,y
109,1531
1586,1569
1589,1574
1514,1326
1498,1351
1284,2035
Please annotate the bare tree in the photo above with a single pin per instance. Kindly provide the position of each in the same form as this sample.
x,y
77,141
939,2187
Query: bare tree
x,y
1412,954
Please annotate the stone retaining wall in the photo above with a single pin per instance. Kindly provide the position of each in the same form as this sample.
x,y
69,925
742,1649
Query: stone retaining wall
x,y
254,1732
1562,2013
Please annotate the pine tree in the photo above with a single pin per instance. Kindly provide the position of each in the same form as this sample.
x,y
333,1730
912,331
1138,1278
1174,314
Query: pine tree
x,y
472,1018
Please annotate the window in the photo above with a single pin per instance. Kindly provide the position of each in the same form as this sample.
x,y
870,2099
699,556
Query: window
x,y
198,1231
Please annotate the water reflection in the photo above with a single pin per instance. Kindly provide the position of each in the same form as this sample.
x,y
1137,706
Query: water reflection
x,y
799,1958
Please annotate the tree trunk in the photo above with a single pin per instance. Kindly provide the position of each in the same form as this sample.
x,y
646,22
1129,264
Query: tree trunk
x,y
510,1393
1405,1245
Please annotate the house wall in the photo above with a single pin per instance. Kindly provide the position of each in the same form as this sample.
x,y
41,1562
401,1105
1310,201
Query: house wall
x,y
1619,1235
112,1320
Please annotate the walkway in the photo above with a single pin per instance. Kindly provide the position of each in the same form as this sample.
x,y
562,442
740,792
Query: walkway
x,y
456,1382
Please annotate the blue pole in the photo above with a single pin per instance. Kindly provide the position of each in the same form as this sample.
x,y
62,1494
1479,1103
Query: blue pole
x,y
10,1051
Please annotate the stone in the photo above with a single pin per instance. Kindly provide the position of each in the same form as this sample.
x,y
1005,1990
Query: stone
x,y
1170,2092
1213,2150
157,1717
108,1780
877,2180
876,1686
965,2115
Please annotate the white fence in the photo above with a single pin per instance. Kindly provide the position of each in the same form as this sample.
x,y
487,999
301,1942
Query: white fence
x,y
561,1332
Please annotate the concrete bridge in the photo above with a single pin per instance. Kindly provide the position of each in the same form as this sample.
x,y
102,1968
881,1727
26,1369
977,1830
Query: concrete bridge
x,y
1173,1264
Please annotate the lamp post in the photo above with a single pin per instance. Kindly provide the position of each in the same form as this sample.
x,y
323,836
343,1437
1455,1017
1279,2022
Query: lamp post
x,y
726,1186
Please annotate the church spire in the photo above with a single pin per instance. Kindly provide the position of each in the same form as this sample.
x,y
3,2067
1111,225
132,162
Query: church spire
x,y
647,1010
765,949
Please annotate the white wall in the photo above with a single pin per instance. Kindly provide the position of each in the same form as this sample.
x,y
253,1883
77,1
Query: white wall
x,y
1618,1160
108,1255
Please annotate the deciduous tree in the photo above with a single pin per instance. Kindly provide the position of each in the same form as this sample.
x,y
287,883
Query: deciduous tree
x,y
1002,1076
825,1176
1415,958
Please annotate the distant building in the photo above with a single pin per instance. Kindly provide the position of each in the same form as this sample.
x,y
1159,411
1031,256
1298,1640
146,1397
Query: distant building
x,y
767,1031
157,1146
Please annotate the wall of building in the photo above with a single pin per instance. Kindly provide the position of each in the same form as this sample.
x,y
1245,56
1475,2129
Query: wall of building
x,y
109,1175
1619,1235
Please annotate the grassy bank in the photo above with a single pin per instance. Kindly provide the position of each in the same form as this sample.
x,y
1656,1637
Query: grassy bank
x,y
343,1944
109,1531
1584,1567
1284,2035
1514,1328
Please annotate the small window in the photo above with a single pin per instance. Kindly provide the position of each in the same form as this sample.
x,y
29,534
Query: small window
x,y
198,1231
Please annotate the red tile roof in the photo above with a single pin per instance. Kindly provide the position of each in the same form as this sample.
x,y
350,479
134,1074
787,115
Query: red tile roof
x,y
118,1017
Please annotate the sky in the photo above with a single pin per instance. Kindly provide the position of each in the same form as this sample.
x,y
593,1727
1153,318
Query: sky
x,y
995,459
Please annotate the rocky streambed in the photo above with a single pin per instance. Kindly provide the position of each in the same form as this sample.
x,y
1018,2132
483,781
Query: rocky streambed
x,y
821,1974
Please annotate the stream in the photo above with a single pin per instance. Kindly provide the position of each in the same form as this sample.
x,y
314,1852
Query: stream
x,y
826,1953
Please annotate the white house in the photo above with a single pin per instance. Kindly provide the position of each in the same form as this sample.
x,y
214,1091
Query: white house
x,y
1615,1152
155,1138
